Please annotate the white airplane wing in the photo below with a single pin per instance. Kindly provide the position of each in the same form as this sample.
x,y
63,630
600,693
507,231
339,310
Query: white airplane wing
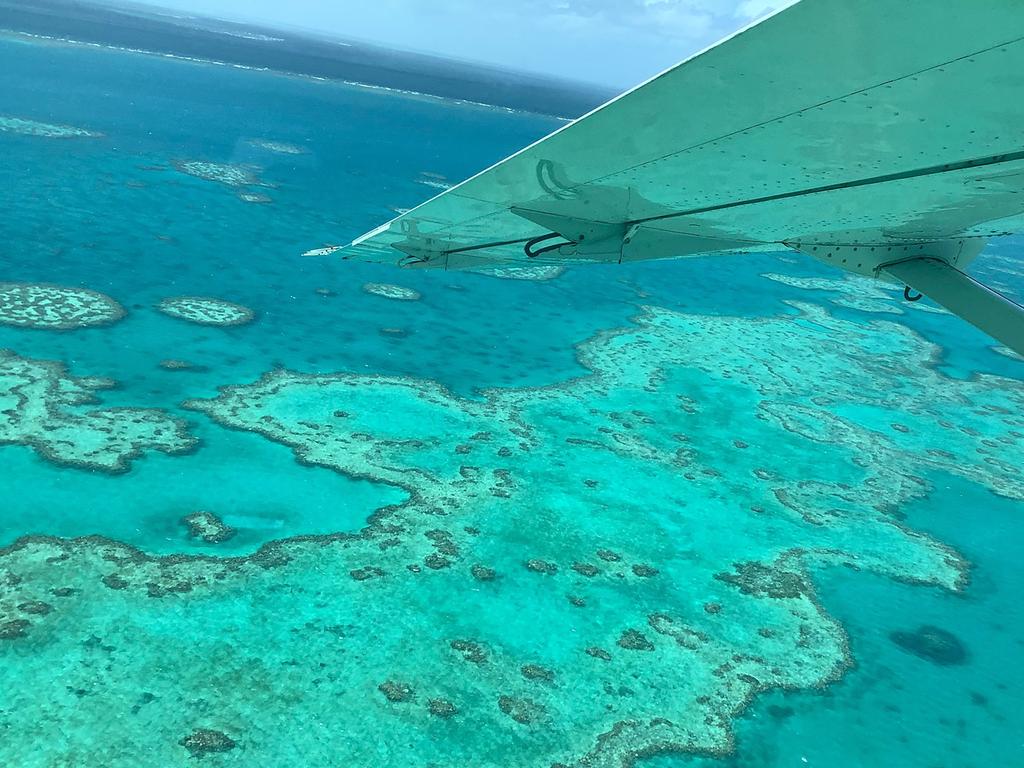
x,y
868,134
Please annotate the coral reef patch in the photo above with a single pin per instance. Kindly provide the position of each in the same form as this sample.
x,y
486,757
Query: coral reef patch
x,y
173,364
855,292
434,180
389,291
222,173
566,623
55,307
536,272
25,127
207,527
205,741
205,310
255,197
931,643
279,147
41,406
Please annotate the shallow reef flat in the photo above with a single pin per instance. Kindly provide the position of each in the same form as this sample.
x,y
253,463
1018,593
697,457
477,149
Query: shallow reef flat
x,y
41,406
204,310
856,292
25,127
539,272
389,291
229,174
55,307
279,147
257,198
434,180
581,574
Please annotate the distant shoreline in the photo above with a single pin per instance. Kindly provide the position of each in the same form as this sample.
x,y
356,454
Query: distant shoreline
x,y
30,37
290,52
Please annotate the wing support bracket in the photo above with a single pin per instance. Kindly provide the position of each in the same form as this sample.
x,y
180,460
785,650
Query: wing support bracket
x,y
985,309
931,269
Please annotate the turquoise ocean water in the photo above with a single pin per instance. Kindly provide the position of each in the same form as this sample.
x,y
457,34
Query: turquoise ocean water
x,y
662,426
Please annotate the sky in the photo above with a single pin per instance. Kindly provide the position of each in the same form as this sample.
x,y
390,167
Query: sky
x,y
610,42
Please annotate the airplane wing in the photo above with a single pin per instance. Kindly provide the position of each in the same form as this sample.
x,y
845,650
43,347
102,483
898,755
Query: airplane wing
x,y
867,134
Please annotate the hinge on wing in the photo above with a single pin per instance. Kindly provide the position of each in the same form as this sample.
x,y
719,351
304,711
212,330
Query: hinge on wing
x,y
420,250
571,236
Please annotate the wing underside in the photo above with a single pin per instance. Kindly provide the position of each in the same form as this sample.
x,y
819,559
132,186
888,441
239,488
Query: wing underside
x,y
880,123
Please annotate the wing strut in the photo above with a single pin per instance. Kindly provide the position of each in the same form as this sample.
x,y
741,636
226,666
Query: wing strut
x,y
964,296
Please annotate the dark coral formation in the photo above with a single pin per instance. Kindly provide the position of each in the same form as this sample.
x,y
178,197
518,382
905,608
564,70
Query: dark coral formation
x,y
206,741
182,365
396,691
442,708
207,527
644,571
115,581
367,572
35,608
537,672
598,653
471,650
12,629
609,556
760,580
443,542
523,711
586,569
634,640
483,573
685,636
541,566
931,643
436,562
